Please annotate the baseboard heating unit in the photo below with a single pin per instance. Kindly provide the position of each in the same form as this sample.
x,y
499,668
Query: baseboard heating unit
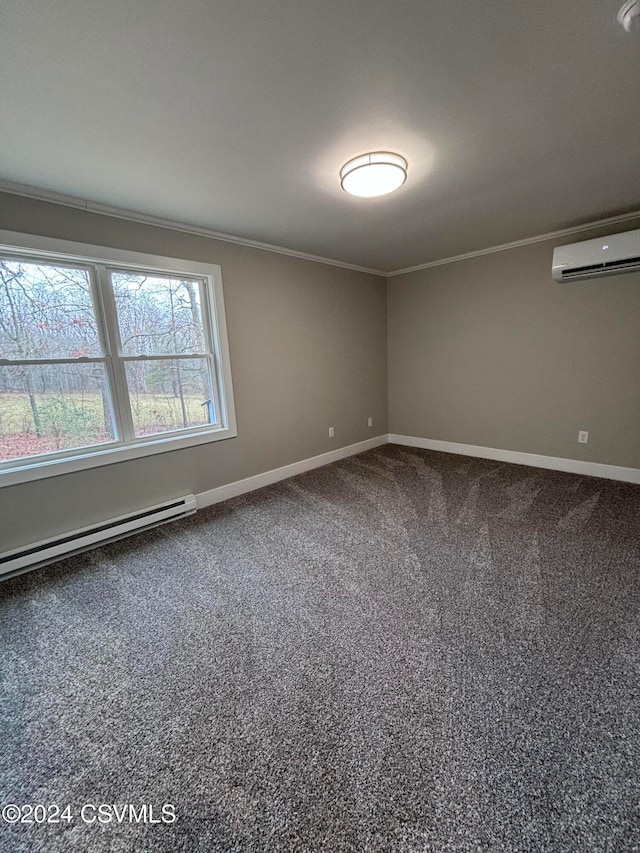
x,y
72,542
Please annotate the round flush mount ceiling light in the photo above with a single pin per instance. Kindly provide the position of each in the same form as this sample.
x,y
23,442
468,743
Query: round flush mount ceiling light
x,y
629,15
369,175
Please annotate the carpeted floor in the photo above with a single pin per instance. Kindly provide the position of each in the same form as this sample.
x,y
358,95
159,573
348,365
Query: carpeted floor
x,y
403,651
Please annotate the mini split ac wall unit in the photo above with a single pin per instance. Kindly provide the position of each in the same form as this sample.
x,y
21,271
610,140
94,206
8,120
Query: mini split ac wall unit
x,y
603,256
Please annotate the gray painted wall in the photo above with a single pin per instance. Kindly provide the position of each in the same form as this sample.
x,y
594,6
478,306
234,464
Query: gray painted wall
x,y
491,351
308,351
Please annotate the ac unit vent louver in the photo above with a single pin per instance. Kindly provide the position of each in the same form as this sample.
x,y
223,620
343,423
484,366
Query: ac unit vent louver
x,y
602,269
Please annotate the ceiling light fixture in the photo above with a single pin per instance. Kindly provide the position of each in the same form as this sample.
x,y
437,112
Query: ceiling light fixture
x,y
629,15
369,175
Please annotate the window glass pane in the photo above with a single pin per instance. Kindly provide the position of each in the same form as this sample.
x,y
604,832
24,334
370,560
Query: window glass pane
x,y
46,311
169,394
47,408
158,315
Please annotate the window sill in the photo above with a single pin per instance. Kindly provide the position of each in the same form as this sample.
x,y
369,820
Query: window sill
x,y
97,457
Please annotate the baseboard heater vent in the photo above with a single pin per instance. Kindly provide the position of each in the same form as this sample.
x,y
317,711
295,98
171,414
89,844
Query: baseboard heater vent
x,y
33,556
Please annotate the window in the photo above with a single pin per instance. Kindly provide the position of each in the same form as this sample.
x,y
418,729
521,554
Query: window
x,y
106,355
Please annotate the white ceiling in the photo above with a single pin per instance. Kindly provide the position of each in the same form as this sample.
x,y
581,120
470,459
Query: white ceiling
x,y
516,117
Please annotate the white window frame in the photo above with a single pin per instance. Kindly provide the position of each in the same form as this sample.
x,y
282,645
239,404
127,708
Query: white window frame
x,y
45,249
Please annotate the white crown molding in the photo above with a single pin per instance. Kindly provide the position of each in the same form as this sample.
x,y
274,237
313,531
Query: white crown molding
x,y
53,197
534,460
527,241
146,219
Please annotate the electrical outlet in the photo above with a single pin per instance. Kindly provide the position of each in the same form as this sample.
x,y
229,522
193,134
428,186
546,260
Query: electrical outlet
x,y
583,436
370,422
332,432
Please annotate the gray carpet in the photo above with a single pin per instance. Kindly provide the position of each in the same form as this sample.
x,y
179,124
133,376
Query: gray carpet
x,y
404,651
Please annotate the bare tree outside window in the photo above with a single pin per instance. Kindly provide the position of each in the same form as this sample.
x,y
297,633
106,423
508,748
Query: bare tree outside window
x,y
57,388
47,314
159,317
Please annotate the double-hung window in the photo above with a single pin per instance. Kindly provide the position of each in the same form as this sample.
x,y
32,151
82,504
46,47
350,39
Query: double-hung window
x,y
106,355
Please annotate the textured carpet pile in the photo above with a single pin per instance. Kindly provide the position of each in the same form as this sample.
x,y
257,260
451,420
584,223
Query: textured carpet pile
x,y
404,651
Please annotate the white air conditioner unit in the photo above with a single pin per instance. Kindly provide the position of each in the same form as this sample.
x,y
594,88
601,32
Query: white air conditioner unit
x,y
603,256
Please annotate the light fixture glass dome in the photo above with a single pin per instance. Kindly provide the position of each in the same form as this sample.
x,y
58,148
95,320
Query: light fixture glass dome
x,y
369,175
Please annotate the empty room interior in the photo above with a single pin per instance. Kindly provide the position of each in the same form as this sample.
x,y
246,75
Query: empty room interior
x,y
320,426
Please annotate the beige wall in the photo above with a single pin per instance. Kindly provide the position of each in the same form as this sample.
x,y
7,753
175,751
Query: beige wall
x,y
308,351
491,351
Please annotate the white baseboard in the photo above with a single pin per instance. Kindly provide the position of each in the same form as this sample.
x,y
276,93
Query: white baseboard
x,y
554,463
240,487
534,460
